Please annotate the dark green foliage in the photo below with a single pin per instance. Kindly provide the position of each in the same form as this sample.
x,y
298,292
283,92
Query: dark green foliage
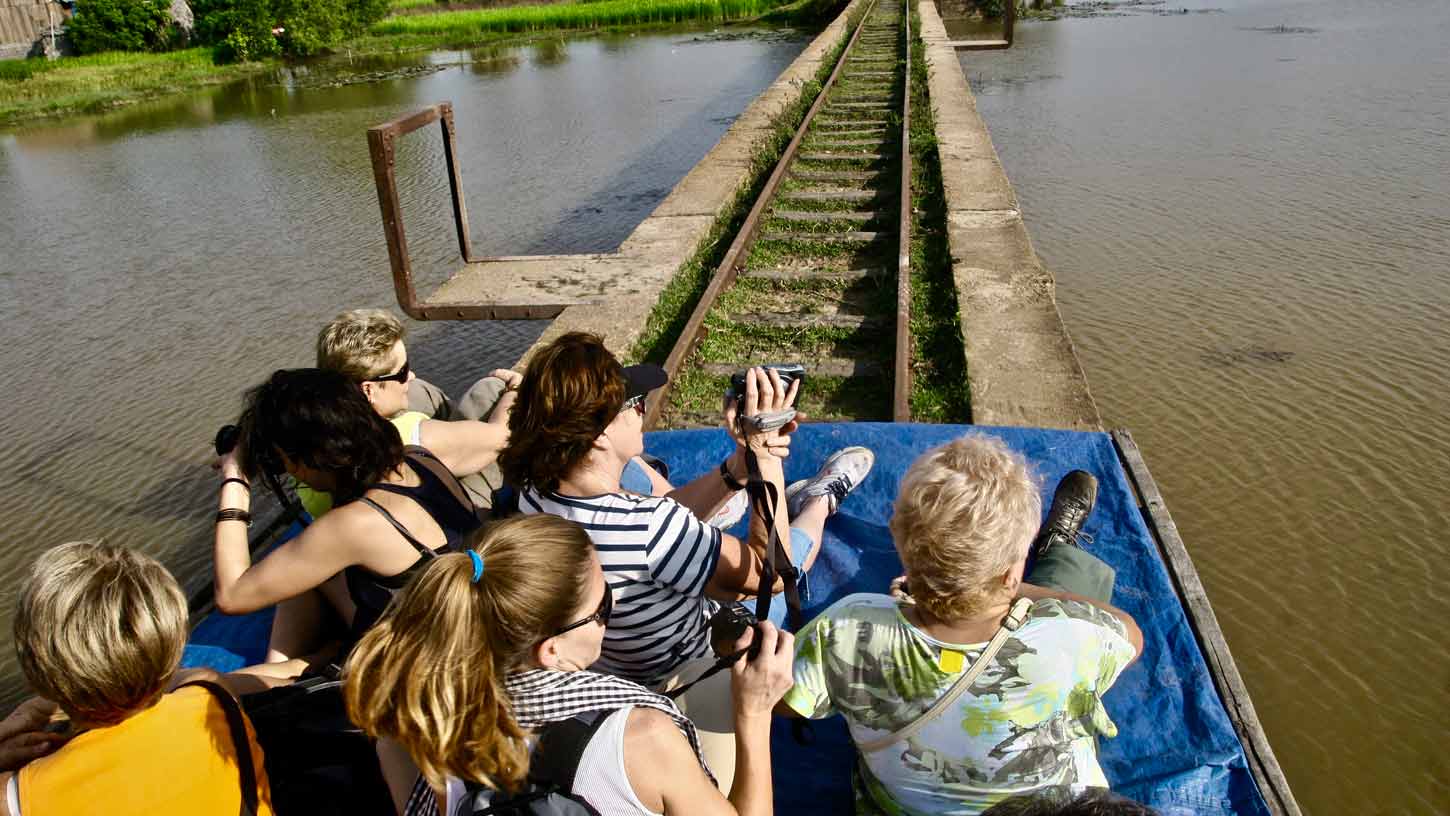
x,y
242,30
20,70
120,25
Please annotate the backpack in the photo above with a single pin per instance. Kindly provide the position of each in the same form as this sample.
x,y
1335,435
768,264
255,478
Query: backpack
x,y
318,762
548,790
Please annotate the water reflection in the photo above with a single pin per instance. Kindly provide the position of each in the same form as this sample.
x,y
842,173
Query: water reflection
x,y
161,258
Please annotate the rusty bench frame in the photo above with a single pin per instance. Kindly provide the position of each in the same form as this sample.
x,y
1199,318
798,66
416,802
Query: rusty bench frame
x,y
382,145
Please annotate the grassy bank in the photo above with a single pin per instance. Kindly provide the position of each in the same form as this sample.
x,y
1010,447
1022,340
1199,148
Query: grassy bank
x,y
99,82
572,16
32,89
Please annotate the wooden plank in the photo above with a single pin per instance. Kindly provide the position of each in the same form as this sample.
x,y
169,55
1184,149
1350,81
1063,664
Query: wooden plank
x,y
1226,678
814,274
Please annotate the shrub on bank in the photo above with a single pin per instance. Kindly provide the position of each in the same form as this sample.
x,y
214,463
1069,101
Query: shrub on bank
x,y
242,30
120,25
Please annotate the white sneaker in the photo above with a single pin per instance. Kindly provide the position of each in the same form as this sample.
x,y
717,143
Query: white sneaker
x,y
842,472
732,511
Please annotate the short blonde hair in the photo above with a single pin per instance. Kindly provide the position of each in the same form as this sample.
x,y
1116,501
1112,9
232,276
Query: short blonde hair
x,y
965,514
99,629
357,343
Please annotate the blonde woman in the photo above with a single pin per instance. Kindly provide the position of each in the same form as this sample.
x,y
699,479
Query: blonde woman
x,y
504,633
99,630
965,519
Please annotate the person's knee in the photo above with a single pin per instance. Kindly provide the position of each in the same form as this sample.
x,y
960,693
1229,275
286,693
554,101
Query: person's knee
x,y
480,398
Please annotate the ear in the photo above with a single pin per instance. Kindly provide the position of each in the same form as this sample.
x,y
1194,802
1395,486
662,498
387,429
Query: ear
x,y
546,654
369,389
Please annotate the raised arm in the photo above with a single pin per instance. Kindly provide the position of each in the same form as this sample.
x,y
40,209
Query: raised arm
x,y
464,446
293,568
1133,633
739,568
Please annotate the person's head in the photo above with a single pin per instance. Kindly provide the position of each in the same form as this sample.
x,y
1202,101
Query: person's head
x,y
99,629
1055,802
572,408
965,517
317,426
366,346
430,674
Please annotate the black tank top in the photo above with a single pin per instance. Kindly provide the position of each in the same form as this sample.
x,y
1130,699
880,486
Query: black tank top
x,y
441,497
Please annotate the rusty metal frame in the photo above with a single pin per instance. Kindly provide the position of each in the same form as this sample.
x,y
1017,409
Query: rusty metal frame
x,y
1009,23
901,396
725,273
382,146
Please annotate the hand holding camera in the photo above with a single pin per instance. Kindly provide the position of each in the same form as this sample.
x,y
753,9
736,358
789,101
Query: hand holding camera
x,y
225,445
759,410
759,682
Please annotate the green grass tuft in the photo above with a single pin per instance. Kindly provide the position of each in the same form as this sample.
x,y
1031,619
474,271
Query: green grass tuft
x,y
591,15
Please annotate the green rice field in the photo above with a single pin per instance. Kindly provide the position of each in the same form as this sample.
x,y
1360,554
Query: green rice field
x,y
587,15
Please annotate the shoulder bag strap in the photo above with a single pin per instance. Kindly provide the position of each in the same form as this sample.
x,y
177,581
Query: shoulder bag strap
x,y
1014,619
237,724
398,525
422,457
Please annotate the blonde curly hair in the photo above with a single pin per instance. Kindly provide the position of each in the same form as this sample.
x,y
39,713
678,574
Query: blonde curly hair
x,y
966,513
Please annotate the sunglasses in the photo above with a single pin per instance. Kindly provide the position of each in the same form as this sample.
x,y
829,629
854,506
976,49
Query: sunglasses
x,y
399,376
606,606
635,402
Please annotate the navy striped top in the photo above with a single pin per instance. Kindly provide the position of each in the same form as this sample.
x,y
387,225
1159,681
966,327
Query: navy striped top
x,y
657,557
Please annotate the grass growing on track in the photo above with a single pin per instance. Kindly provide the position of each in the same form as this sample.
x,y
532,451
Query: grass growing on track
x,y
939,388
573,16
100,81
678,299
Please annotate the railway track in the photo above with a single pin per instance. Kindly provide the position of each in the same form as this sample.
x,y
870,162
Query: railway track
x,y
818,272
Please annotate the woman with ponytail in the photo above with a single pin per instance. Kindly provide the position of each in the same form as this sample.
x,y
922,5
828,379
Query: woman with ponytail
x,y
484,647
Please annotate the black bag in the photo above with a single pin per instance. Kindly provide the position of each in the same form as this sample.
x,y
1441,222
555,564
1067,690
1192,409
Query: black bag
x,y
318,762
552,765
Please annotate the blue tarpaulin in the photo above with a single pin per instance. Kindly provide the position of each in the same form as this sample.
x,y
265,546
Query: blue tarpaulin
x,y
1176,748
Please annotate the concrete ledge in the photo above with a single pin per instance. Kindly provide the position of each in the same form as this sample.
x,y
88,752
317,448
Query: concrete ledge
x,y
1022,365
622,287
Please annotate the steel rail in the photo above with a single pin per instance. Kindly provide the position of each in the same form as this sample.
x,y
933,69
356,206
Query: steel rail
x,y
725,273
901,390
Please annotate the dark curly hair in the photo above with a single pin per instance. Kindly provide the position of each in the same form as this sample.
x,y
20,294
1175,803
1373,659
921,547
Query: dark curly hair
x,y
572,389
320,419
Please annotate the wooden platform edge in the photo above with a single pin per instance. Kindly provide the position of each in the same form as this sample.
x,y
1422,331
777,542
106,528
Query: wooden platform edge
x,y
1263,765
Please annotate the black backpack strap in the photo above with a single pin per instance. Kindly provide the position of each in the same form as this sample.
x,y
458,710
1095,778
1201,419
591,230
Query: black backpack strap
x,y
398,525
237,724
555,760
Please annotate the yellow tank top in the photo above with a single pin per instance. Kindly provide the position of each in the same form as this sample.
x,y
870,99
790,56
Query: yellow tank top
x,y
316,502
174,757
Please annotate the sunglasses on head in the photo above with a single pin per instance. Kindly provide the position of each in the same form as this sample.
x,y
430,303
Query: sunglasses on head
x,y
399,376
635,402
606,606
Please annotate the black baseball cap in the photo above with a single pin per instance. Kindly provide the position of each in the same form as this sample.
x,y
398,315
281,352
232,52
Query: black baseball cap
x,y
642,379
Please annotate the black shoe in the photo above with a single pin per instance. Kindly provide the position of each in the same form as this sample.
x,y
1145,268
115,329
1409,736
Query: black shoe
x,y
1071,504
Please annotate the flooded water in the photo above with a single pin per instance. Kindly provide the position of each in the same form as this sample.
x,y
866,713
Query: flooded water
x,y
157,261
1247,209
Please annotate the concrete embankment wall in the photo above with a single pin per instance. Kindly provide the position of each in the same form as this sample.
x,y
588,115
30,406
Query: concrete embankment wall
x,y
670,235
1021,362
24,22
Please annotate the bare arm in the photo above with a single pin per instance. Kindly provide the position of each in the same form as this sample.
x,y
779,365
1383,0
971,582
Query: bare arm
x,y
738,570
709,492
1134,634
293,568
465,446
663,769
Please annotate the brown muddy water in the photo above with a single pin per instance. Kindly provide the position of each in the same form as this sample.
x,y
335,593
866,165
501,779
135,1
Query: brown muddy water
x,y
1247,209
156,262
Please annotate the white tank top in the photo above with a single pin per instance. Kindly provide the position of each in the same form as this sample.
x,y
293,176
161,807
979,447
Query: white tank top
x,y
601,779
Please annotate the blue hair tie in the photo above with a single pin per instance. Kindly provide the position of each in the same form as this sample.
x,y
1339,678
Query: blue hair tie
x,y
477,564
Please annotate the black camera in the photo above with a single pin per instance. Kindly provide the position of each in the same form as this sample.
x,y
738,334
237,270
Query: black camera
x,y
789,373
226,439
726,627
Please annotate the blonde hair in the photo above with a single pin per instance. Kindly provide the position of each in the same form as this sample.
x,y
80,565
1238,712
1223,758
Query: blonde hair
x,y
99,629
965,514
357,343
430,673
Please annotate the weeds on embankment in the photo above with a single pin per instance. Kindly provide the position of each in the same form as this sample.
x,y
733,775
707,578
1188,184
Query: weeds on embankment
x,y
677,300
939,388
573,16
100,81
